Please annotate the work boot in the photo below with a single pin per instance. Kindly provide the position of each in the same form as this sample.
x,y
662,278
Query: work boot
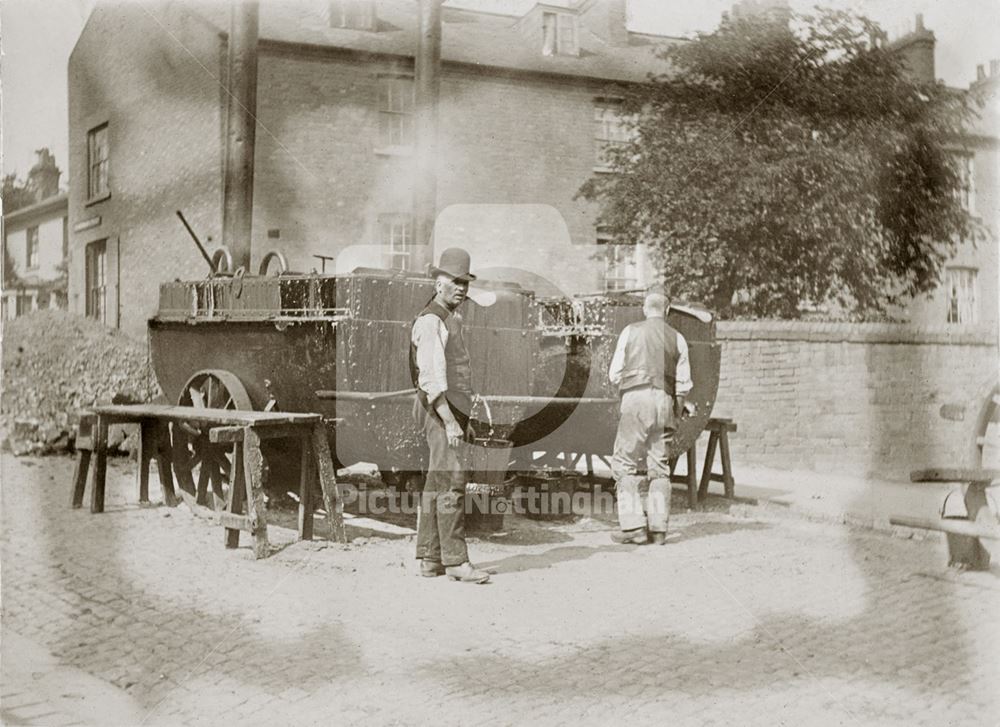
x,y
664,538
431,568
631,537
466,573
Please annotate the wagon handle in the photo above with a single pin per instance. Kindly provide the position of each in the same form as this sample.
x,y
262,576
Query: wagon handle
x,y
197,242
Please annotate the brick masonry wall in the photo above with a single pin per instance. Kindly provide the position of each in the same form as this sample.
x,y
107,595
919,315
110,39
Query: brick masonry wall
x,y
857,399
322,179
150,72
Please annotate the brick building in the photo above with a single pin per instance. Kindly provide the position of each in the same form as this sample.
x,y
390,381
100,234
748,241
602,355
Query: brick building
x,y
527,104
36,242
527,107
968,294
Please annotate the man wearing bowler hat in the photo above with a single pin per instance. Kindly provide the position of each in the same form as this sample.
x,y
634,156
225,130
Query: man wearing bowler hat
x,y
650,367
439,365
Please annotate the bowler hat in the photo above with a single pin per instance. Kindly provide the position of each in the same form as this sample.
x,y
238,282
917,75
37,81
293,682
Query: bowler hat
x,y
454,263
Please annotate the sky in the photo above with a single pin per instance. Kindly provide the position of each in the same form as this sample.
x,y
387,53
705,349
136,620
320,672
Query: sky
x,y
36,37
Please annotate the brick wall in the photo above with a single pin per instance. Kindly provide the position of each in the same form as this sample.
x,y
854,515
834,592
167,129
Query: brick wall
x,y
150,72
858,399
322,179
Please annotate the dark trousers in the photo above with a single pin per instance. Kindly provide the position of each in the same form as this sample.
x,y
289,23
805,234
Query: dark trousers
x,y
441,517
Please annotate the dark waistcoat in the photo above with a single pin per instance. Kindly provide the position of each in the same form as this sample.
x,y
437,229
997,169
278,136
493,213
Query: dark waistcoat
x,y
651,356
457,364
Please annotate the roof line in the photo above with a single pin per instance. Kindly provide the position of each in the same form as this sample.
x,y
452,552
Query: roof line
x,y
314,49
56,200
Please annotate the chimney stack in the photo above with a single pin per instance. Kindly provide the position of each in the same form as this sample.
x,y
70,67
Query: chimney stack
x,y
980,72
43,178
917,50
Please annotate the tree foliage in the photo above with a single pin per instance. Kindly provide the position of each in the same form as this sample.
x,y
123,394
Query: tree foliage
x,y
16,194
790,159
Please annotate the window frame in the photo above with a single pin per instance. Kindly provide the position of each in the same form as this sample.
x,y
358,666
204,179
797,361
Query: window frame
x,y
98,172
614,252
96,280
342,12
405,114
967,178
560,34
962,310
31,248
394,246
603,132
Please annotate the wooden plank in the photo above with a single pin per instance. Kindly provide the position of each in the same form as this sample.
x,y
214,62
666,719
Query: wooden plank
x,y
706,471
328,484
947,525
253,471
957,474
145,456
100,465
727,465
226,434
231,521
80,477
164,463
720,424
306,483
237,495
124,413
692,475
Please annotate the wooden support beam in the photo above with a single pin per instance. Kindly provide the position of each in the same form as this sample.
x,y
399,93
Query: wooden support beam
x,y
237,496
100,465
232,434
948,525
332,501
253,470
307,482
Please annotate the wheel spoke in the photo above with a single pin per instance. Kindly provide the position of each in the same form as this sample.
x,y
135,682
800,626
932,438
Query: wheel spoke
x,y
208,396
197,400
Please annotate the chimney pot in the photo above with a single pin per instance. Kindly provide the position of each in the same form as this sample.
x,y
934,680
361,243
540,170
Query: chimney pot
x,y
920,22
980,72
994,66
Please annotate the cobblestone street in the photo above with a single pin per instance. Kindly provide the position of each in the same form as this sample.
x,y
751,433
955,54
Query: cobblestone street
x,y
751,618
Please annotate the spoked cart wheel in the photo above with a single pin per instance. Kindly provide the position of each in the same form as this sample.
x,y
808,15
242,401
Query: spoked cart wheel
x,y
202,468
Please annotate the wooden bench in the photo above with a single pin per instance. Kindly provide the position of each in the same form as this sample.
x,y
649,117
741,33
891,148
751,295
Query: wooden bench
x,y
975,520
718,438
244,430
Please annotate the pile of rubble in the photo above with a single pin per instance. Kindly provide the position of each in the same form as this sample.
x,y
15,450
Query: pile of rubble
x,y
54,364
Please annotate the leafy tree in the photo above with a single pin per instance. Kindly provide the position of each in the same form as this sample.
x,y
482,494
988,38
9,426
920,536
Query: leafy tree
x,y
790,159
16,194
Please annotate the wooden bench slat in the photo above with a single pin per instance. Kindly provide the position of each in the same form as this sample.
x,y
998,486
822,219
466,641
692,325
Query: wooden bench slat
x,y
957,474
122,413
233,434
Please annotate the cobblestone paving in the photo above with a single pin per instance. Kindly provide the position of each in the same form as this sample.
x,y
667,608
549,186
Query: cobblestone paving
x,y
751,619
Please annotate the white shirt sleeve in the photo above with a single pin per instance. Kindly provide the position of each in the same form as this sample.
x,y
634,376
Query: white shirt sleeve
x,y
618,360
430,336
683,384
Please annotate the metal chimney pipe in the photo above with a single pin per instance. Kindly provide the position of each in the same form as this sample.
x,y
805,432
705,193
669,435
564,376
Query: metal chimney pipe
x,y
427,89
241,120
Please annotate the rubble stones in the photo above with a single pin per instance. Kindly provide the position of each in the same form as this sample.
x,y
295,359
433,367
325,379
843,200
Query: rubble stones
x,y
55,364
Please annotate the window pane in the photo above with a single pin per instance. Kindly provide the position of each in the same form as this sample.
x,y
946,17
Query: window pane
x,y
548,33
961,288
395,111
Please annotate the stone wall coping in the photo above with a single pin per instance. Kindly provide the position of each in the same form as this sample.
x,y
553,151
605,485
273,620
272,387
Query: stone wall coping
x,y
846,332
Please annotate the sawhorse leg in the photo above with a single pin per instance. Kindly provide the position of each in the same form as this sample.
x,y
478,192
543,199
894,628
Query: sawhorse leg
x,y
154,445
706,471
237,495
253,470
307,481
727,465
84,449
692,475
332,501
100,465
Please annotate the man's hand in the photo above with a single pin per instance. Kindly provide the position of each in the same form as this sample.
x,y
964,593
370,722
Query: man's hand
x,y
689,409
454,433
